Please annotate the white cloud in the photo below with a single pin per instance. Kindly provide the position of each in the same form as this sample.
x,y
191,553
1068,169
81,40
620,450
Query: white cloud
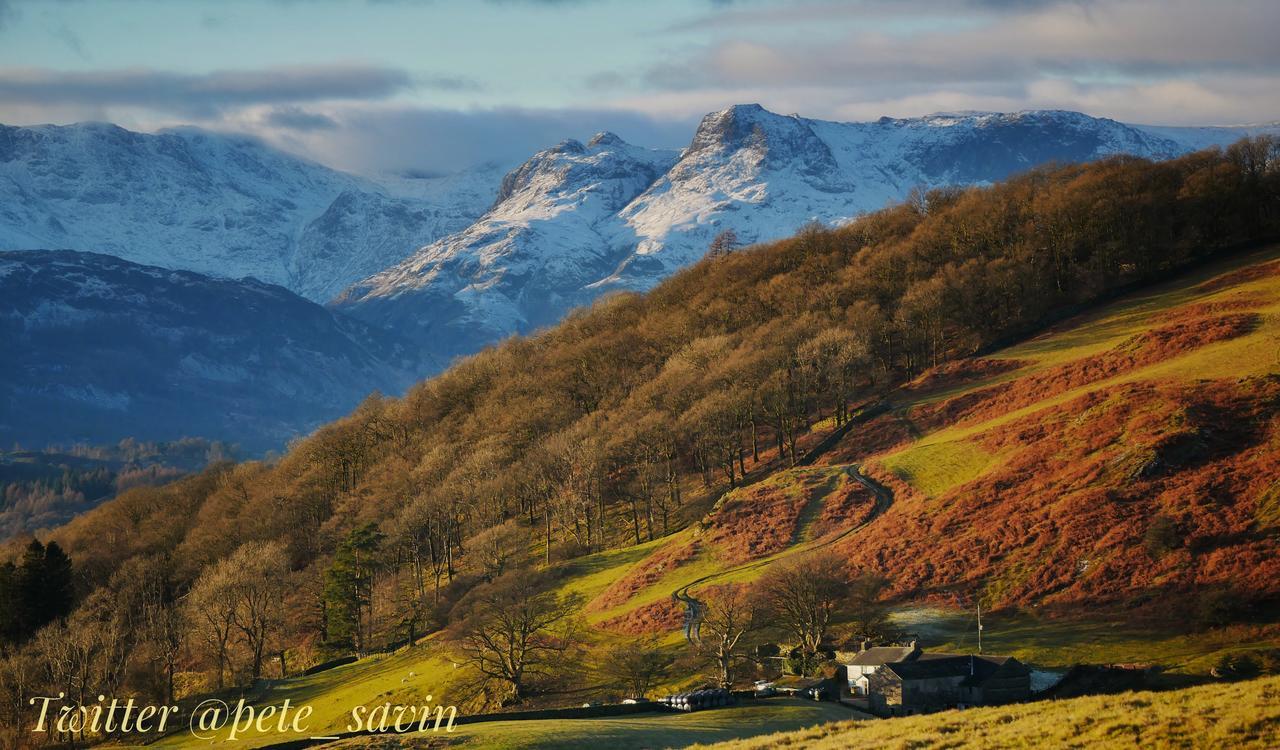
x,y
201,94
1174,62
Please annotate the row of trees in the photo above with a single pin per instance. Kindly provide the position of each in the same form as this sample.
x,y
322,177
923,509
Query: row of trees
x,y
798,603
517,631
45,488
622,422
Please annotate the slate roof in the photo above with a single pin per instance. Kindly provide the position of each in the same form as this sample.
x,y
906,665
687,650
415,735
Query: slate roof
x,y
881,655
973,668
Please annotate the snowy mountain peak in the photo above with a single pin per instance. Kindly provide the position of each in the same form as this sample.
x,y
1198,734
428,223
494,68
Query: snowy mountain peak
x,y
218,204
578,220
757,139
605,138
546,238
571,169
743,126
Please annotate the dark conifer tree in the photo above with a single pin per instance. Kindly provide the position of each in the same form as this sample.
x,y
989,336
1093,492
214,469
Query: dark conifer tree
x,y
58,594
10,604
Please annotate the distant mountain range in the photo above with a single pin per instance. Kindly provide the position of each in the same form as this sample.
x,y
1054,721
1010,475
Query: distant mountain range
x,y
101,349
220,205
97,347
578,220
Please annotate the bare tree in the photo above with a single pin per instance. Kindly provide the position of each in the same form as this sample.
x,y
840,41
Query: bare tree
x,y
498,548
19,680
804,596
869,613
164,630
240,596
638,667
211,608
731,618
723,243
515,630
258,591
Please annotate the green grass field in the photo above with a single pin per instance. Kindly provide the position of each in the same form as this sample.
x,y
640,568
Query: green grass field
x,y
1242,715
1059,642
652,730
405,678
934,468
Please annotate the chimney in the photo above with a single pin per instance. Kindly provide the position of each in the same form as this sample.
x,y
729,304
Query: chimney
x,y
865,644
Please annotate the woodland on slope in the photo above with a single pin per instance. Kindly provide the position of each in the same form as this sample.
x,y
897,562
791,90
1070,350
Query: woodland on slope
x,y
612,428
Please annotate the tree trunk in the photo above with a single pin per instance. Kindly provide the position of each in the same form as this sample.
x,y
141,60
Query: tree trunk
x,y
635,519
547,516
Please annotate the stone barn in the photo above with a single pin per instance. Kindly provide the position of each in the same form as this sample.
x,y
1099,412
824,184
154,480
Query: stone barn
x,y
933,682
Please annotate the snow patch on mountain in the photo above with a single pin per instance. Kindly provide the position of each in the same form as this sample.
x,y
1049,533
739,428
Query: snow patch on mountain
x,y
577,221
548,236
221,205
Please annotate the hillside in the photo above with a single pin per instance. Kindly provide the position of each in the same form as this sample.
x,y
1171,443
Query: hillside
x,y
627,592
1127,457
1239,715
762,404
1033,476
43,489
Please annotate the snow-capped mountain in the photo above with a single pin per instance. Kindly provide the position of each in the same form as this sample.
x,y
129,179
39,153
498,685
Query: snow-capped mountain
x,y
577,221
549,236
221,205
97,349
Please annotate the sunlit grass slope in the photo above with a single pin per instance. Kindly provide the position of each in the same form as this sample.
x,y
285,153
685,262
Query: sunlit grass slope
x,y
651,730
1250,283
1239,715
1029,476
404,678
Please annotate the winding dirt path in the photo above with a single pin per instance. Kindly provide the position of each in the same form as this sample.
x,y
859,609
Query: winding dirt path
x,y
695,609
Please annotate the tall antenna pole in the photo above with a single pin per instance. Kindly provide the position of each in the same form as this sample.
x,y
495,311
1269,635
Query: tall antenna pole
x,y
979,627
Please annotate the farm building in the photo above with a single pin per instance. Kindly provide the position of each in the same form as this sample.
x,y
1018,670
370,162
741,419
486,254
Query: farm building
x,y
932,682
861,665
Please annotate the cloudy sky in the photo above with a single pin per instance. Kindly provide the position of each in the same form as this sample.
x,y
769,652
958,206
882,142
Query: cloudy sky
x,y
438,85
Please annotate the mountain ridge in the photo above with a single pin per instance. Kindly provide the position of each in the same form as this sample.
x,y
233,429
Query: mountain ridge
x,y
757,173
99,349
220,204
545,227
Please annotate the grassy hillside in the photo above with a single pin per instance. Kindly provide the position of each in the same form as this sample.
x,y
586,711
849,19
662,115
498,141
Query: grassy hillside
x,y
650,730
627,591
1033,474
1239,715
1040,484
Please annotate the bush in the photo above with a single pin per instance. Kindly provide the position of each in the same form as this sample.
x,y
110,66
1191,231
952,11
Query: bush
x,y
1269,661
1237,667
1221,607
803,664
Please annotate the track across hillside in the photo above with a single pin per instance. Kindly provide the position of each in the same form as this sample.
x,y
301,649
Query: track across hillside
x,y
695,610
